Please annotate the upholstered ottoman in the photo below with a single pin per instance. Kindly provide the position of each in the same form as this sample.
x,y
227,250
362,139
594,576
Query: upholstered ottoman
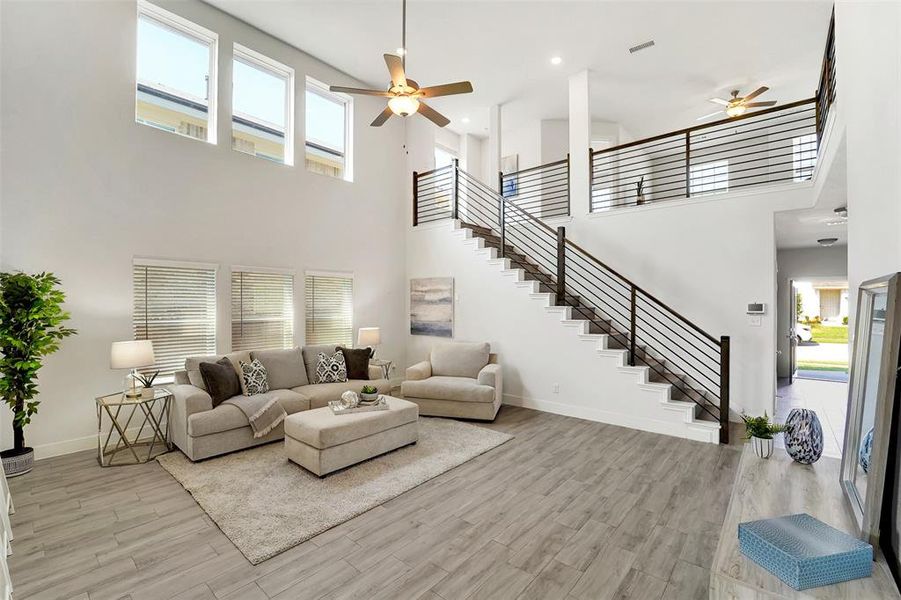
x,y
321,441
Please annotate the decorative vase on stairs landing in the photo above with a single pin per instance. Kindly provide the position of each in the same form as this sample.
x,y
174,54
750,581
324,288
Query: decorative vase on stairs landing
x,y
803,436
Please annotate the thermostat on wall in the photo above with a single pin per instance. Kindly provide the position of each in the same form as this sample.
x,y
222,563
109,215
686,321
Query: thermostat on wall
x,y
756,308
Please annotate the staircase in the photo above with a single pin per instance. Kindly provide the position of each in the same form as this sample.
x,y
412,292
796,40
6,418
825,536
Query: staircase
x,y
668,352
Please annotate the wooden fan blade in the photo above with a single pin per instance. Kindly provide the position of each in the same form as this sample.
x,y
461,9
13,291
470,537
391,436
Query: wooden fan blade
x,y
720,101
383,116
432,115
713,114
447,89
755,93
361,91
759,104
396,68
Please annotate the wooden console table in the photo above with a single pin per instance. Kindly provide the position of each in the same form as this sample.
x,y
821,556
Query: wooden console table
x,y
775,487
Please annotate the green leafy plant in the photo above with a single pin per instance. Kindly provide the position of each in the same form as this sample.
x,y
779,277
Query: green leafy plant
x,y
31,328
761,427
799,303
844,320
369,389
146,379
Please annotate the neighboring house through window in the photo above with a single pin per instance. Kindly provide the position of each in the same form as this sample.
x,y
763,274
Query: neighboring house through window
x,y
262,106
176,74
709,178
328,131
262,309
175,308
328,300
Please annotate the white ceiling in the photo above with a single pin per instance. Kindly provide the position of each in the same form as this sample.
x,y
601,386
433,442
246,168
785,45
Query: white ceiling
x,y
504,48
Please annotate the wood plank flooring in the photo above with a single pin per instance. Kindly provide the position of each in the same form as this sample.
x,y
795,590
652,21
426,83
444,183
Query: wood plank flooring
x,y
569,509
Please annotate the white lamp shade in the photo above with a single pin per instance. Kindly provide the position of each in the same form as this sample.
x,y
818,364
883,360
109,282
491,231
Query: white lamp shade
x,y
131,354
369,336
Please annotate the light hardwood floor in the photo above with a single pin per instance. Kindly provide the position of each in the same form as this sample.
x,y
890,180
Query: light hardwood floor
x,y
568,509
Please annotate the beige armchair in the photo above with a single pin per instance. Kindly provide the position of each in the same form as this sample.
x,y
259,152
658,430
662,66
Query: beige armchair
x,y
461,380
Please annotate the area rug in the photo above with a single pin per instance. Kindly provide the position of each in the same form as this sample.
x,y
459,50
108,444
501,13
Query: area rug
x,y
266,504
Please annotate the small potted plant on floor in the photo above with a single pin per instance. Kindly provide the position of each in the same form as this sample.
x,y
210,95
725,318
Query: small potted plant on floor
x,y
761,431
31,328
369,393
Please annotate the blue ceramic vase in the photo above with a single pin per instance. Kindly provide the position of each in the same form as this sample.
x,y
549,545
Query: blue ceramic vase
x,y
803,436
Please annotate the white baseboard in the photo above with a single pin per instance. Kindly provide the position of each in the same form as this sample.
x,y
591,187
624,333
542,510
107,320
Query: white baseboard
x,y
613,418
88,442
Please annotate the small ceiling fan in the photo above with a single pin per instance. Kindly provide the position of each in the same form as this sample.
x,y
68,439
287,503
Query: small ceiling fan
x,y
404,95
738,105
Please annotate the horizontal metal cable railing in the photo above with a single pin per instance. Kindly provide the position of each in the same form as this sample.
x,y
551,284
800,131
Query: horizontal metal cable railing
x,y
779,144
674,349
826,89
541,191
433,194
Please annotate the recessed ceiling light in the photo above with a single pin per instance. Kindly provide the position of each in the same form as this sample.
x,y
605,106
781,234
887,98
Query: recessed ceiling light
x,y
465,119
556,60
826,242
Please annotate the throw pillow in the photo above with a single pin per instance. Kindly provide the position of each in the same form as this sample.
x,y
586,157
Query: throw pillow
x,y
331,369
220,380
357,361
255,379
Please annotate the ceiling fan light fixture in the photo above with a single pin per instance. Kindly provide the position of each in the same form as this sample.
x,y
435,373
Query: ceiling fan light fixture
x,y
826,242
401,51
735,110
403,106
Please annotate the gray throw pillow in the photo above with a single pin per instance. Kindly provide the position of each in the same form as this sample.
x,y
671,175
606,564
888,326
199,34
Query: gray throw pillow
x,y
284,368
220,380
357,361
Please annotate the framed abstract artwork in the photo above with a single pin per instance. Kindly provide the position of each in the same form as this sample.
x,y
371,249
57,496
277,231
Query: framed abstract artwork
x,y
432,306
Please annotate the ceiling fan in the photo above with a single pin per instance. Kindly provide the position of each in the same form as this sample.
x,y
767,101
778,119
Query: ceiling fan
x,y
404,95
738,105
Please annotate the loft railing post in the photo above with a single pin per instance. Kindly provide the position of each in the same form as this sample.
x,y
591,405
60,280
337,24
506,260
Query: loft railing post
x,y
415,198
724,389
568,205
561,266
590,179
455,163
501,212
688,164
633,325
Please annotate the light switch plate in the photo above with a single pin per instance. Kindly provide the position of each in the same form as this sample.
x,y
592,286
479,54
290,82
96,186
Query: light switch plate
x,y
755,320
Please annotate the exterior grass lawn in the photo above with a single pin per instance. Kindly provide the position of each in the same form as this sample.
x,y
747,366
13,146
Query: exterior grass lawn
x,y
827,334
823,365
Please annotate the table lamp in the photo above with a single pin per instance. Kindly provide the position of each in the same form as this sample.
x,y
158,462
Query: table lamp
x,y
369,336
131,355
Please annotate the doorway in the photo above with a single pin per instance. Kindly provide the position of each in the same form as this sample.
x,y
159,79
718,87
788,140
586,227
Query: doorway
x,y
819,349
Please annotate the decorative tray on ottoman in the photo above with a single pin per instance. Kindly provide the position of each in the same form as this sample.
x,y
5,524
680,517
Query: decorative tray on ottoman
x,y
805,552
340,409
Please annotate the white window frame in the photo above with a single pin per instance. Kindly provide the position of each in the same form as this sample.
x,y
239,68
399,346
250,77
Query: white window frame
x,y
353,287
271,271
804,157
192,30
702,184
259,61
318,87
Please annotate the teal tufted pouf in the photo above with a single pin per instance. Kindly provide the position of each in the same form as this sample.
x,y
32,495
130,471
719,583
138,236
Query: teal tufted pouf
x,y
805,552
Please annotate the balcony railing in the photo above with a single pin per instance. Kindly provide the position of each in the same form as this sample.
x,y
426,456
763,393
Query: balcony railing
x,y
542,191
769,146
826,88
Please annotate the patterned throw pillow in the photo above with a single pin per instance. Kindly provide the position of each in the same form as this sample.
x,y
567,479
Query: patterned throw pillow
x,y
255,379
331,369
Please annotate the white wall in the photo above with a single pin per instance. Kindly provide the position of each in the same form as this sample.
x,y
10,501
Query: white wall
x,y
799,264
85,189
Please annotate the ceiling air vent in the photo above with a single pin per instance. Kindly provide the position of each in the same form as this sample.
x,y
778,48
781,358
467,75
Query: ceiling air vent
x,y
635,49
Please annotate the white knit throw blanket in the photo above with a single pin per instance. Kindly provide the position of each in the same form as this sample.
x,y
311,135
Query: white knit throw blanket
x,y
263,412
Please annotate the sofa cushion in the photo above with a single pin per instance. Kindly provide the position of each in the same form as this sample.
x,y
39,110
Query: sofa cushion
x,y
311,359
320,393
220,380
440,387
192,366
357,361
284,368
323,429
459,359
226,417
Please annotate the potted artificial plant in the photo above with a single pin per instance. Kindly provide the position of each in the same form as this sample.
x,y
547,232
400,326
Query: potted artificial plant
x,y
761,431
639,190
146,381
31,328
369,393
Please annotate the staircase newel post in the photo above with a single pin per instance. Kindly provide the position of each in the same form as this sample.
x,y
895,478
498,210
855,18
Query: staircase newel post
x,y
415,198
633,322
501,213
455,165
561,266
724,389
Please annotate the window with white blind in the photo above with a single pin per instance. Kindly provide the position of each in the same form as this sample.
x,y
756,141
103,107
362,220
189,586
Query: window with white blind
x,y
175,307
262,310
709,178
329,300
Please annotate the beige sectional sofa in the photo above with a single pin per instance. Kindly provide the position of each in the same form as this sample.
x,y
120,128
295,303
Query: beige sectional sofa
x,y
460,380
201,431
